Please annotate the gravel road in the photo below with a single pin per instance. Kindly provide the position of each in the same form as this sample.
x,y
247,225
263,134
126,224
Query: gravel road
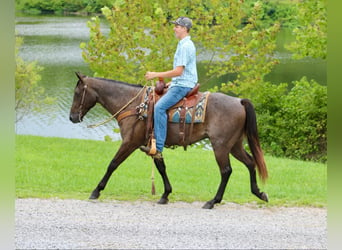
x,y
76,224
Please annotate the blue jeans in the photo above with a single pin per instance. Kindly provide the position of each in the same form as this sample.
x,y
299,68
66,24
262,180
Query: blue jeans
x,y
172,96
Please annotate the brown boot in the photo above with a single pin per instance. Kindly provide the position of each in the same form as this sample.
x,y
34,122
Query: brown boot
x,y
147,150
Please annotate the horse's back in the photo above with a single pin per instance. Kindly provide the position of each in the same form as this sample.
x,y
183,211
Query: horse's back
x,y
225,105
225,115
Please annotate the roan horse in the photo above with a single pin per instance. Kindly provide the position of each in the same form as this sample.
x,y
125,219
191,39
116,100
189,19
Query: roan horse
x,y
228,121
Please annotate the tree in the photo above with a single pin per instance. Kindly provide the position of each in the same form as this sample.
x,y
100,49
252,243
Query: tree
x,y
28,94
311,33
140,38
135,42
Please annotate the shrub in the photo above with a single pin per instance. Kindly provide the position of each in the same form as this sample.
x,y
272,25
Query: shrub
x,y
267,102
302,121
293,123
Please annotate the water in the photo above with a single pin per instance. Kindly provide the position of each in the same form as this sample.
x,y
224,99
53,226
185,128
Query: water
x,y
54,43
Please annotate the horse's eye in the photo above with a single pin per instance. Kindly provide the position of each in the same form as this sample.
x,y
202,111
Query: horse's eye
x,y
77,91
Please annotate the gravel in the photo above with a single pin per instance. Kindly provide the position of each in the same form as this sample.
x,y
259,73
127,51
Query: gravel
x,y
77,224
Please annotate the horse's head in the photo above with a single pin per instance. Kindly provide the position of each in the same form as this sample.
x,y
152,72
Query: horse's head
x,y
84,99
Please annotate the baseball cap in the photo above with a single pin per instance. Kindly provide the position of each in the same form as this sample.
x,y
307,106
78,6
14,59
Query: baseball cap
x,y
183,21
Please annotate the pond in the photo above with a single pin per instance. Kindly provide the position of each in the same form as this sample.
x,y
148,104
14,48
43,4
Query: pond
x,y
53,41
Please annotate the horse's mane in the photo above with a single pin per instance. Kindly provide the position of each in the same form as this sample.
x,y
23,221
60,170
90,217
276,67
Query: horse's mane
x,y
120,82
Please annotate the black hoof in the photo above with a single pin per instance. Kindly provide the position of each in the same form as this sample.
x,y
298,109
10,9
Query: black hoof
x,y
208,205
94,195
264,197
163,201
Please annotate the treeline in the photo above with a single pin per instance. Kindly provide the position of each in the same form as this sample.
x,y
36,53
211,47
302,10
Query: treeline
x,y
281,11
61,6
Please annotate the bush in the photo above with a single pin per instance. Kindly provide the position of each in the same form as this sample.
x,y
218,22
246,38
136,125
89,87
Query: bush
x,y
302,121
267,102
293,123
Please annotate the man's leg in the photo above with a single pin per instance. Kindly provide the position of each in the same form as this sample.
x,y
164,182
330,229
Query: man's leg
x,y
172,96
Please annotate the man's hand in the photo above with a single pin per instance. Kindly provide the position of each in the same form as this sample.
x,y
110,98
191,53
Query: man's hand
x,y
167,74
150,75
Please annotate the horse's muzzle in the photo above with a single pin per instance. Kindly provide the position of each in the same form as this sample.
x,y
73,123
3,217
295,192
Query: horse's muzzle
x,y
75,117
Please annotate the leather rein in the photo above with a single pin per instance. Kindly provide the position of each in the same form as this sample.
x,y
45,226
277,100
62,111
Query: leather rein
x,y
120,116
82,102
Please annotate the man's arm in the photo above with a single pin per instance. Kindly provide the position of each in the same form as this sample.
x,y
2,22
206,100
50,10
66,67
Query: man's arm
x,y
177,71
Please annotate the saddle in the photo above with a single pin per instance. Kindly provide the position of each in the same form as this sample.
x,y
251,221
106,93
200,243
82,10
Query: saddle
x,y
189,101
146,110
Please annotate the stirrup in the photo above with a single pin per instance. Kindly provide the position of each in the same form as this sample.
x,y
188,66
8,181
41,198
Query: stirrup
x,y
153,147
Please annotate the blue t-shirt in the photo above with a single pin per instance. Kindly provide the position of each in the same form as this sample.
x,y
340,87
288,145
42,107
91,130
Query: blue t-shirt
x,y
185,55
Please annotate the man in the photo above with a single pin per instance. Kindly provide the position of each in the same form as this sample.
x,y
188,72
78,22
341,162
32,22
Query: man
x,y
184,78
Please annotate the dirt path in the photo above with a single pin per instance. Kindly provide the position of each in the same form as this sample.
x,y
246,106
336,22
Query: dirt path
x,y
75,224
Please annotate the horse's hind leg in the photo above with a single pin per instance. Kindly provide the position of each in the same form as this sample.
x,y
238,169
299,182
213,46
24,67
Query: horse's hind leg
x,y
223,161
240,153
167,186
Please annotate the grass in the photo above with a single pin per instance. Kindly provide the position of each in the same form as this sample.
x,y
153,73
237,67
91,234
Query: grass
x,y
71,168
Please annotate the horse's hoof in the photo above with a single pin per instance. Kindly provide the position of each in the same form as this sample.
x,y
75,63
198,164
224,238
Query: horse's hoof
x,y
264,197
208,205
94,195
163,201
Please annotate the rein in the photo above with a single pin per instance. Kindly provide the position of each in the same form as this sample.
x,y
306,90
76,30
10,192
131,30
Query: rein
x,y
114,115
82,102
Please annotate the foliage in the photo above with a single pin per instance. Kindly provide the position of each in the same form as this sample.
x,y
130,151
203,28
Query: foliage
x,y
293,123
277,11
58,6
28,94
243,49
266,99
140,38
274,11
133,42
302,121
311,34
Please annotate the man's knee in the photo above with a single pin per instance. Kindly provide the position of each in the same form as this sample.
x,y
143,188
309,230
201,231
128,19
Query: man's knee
x,y
158,108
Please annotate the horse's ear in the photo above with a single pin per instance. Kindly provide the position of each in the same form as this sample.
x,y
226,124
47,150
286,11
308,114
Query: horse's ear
x,y
80,75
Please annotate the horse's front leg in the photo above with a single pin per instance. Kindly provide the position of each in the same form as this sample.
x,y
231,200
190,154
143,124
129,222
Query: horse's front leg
x,y
124,151
225,174
167,186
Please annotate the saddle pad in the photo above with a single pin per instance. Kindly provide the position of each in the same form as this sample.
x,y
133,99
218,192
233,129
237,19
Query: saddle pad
x,y
199,112
174,113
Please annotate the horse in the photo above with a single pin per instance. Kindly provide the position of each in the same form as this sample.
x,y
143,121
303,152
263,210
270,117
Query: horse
x,y
228,121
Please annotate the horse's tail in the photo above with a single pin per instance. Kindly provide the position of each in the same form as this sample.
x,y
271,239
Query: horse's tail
x,y
251,132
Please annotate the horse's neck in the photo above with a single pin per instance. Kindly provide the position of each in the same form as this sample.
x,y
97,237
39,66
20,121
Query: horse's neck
x,y
115,95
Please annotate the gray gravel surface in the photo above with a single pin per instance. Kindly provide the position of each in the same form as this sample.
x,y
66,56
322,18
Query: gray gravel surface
x,y
77,224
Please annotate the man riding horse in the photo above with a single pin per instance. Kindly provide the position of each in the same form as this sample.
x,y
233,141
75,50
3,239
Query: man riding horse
x,y
184,78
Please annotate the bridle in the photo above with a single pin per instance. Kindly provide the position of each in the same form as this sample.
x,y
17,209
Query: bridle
x,y
134,111
82,102
110,118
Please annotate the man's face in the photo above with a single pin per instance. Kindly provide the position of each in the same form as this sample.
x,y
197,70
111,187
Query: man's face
x,y
180,31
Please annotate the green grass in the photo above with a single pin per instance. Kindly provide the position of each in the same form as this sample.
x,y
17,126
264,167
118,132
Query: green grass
x,y
71,168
